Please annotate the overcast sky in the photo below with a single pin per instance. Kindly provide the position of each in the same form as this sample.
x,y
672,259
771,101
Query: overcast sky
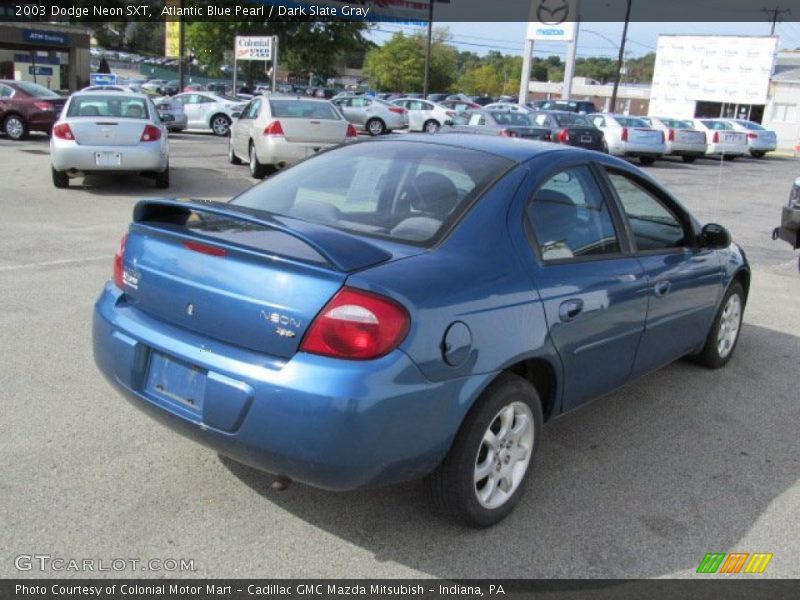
x,y
594,39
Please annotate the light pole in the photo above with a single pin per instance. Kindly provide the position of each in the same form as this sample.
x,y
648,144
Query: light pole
x,y
621,57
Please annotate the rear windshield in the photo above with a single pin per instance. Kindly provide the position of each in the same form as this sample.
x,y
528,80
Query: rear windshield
x,y
506,117
718,125
302,109
573,119
35,90
403,191
631,122
676,124
750,125
119,107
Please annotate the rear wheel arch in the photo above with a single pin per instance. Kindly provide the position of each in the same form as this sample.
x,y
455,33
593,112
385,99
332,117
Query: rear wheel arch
x,y
541,374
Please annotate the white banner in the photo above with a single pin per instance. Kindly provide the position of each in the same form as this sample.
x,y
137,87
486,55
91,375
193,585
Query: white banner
x,y
253,48
553,20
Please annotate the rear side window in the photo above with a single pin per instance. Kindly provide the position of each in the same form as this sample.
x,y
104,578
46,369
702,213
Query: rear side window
x,y
654,226
718,125
36,90
409,192
570,217
302,109
119,107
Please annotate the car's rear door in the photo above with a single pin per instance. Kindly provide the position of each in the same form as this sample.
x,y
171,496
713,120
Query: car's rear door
x,y
684,279
592,289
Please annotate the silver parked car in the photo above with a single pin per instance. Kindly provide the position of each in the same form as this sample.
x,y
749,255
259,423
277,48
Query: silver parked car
x,y
425,115
206,110
274,132
630,137
760,140
172,114
372,115
722,138
109,132
681,139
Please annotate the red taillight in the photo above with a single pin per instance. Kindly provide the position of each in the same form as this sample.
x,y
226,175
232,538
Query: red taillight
x,y
716,137
274,128
671,135
205,248
119,257
357,325
63,132
43,106
507,133
351,132
624,136
398,110
151,133
752,136
563,136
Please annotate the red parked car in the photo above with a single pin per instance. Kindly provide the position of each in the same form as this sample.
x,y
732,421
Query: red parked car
x,y
26,106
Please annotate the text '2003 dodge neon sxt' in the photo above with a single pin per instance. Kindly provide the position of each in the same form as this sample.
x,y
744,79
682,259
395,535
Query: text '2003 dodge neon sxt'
x,y
392,310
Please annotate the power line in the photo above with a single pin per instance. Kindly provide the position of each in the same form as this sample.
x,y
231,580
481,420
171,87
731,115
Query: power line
x,y
776,12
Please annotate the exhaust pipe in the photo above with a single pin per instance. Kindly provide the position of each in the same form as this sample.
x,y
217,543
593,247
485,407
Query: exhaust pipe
x,y
281,483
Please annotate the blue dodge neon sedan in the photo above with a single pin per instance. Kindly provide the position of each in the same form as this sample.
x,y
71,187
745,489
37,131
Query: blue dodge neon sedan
x,y
396,309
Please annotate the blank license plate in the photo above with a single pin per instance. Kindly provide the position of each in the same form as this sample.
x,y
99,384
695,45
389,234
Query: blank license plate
x,y
107,159
586,139
176,381
730,138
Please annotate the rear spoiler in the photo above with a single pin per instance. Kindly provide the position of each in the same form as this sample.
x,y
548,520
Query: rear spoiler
x,y
343,251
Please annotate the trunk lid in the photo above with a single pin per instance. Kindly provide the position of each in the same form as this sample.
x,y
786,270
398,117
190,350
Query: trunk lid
x,y
532,133
585,136
103,131
323,131
234,275
690,136
640,135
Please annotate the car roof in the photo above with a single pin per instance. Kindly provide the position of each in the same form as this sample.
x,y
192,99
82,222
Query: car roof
x,y
513,149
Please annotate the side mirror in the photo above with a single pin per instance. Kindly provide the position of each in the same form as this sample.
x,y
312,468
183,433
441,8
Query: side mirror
x,y
715,236
166,117
236,115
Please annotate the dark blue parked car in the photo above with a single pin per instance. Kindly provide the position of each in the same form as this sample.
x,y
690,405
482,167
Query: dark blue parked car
x,y
390,310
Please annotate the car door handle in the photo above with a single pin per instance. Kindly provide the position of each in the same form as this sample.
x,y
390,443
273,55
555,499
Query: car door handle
x,y
662,288
570,309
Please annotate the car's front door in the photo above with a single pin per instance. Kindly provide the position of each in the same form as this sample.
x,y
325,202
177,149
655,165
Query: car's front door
x,y
593,290
240,131
191,108
684,279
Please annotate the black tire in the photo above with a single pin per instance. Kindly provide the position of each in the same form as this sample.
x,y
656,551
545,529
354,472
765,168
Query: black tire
x,y
376,127
60,178
431,126
162,179
710,355
689,159
257,170
730,157
232,158
15,127
757,154
220,124
452,485
646,161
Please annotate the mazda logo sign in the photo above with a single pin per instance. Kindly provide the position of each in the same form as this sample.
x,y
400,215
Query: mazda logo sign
x,y
552,12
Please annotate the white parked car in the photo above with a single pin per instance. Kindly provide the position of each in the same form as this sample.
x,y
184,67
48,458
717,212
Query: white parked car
x,y
206,110
722,138
274,132
681,138
109,131
630,137
517,108
759,139
424,115
372,115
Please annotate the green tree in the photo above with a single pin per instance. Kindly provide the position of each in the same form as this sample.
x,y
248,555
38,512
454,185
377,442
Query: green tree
x,y
399,65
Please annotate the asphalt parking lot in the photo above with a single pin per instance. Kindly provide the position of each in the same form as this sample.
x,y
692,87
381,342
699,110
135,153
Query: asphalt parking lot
x,y
640,483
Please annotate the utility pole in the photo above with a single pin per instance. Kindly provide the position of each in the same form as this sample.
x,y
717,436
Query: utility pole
x,y
525,80
621,57
569,69
181,50
428,51
776,12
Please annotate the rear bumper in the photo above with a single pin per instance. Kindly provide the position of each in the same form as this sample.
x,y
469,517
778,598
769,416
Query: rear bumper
x,y
333,424
43,120
686,149
634,150
67,155
276,150
179,124
762,146
727,149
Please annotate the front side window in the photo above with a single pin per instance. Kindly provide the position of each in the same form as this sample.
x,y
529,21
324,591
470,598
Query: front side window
x,y
302,109
570,217
396,190
654,226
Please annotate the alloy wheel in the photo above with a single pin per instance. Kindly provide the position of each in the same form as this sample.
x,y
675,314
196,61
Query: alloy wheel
x,y
729,325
